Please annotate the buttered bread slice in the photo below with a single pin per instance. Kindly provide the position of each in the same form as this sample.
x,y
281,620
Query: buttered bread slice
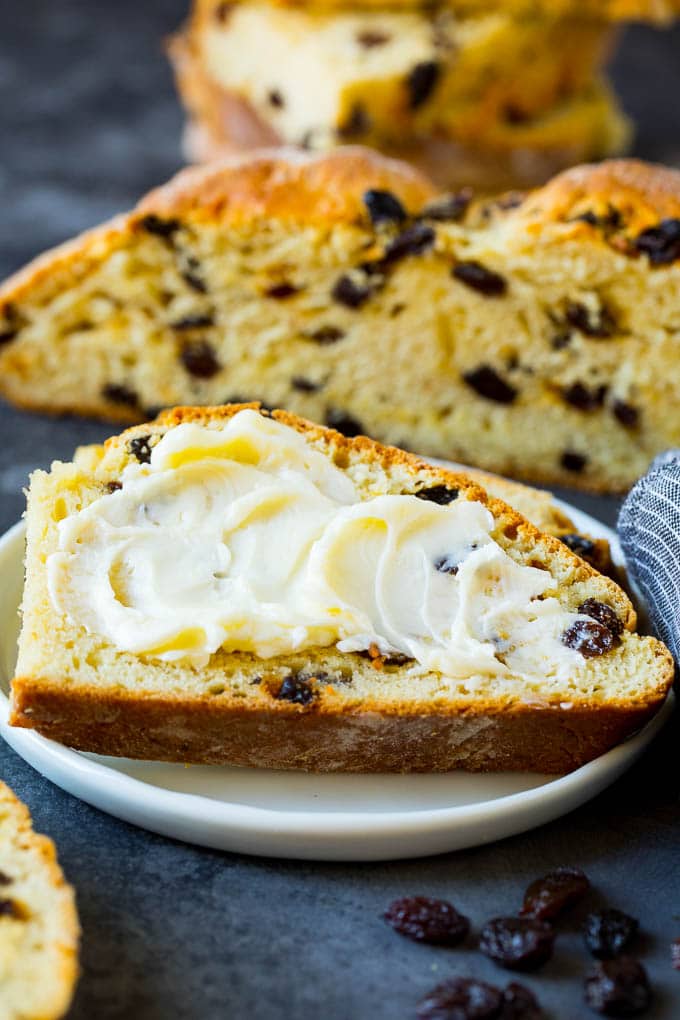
x,y
534,336
232,586
38,922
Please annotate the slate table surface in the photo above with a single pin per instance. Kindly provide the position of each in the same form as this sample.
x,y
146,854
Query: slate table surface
x,y
88,122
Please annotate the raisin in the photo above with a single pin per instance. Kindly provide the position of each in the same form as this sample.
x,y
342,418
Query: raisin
x,y
343,422
513,114
281,291
383,207
197,321
441,494
275,99
427,920
415,240
611,220
347,292
370,38
675,954
461,999
450,208
120,394
618,988
358,123
572,461
295,688
487,383
161,228
140,448
579,544
199,359
589,637
583,398
190,275
560,341
113,486
223,11
600,325
476,276
517,943
7,336
626,413
550,896
421,82
10,908
5,879
660,244
603,613
519,1004
326,334
608,932
446,565
298,382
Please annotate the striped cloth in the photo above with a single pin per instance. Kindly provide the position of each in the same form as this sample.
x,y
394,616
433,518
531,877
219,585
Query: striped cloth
x,y
649,529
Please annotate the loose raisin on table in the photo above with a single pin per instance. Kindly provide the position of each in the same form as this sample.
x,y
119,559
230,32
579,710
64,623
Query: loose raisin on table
x,y
297,689
661,244
618,988
517,943
476,276
344,422
519,1004
488,383
441,494
118,393
461,999
590,638
421,82
199,359
383,207
603,613
607,933
140,448
427,920
551,895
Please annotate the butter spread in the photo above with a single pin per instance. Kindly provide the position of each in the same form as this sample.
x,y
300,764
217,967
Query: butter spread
x,y
246,538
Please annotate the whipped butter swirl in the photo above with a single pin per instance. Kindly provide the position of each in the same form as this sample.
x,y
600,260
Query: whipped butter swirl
x,y
246,538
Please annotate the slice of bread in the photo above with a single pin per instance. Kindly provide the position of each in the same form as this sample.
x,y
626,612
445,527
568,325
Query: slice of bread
x,y
418,80
39,928
319,708
532,336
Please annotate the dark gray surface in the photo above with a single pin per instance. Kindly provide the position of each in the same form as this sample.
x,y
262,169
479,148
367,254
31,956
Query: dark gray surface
x,y
171,932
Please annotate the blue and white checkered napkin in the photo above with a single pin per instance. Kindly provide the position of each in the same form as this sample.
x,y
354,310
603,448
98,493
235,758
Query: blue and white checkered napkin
x,y
649,529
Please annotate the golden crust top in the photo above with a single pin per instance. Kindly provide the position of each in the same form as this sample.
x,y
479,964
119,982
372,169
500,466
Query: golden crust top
x,y
643,193
287,184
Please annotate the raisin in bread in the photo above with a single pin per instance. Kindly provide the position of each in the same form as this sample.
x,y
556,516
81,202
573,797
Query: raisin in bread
x,y
534,336
327,563
38,922
487,98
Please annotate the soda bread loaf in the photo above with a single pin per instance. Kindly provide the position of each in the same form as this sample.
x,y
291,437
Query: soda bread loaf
x,y
38,922
606,10
534,336
540,669
486,98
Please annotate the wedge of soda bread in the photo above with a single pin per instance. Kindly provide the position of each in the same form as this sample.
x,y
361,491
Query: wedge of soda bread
x,y
534,336
39,928
101,667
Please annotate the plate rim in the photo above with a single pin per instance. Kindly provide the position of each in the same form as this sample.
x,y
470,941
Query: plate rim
x,y
130,797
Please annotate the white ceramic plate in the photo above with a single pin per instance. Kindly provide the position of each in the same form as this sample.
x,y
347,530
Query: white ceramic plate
x,y
288,814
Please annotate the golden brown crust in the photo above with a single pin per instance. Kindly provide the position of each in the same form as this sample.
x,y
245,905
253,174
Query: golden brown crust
x,y
548,739
41,846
